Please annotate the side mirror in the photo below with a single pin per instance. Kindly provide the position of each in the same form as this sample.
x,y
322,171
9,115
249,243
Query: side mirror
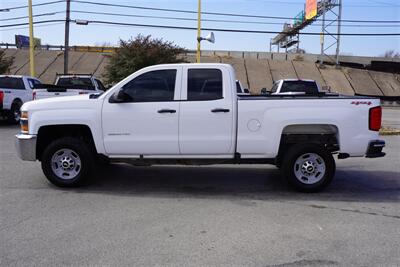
x,y
120,97
247,91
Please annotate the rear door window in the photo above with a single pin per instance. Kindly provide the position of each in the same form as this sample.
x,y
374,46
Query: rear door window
x,y
204,84
12,83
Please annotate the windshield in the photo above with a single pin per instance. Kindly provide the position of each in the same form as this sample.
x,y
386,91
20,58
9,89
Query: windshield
x,y
76,82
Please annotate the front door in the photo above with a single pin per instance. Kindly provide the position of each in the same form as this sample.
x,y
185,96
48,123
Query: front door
x,y
147,123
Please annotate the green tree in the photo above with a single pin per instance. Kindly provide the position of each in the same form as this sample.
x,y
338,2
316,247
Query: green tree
x,y
5,62
140,52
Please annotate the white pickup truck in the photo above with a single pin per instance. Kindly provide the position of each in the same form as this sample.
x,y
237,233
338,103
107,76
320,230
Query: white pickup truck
x,y
69,85
15,90
191,114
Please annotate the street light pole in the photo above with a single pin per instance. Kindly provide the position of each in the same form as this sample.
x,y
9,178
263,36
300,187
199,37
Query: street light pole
x,y
31,41
66,38
198,30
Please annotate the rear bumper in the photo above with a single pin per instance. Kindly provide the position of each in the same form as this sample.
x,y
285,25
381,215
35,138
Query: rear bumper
x,y
375,149
25,144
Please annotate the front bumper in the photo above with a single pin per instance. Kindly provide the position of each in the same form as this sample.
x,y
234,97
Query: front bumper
x,y
25,144
375,149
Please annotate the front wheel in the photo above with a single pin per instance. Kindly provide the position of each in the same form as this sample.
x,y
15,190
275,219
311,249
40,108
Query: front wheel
x,y
14,114
308,167
67,162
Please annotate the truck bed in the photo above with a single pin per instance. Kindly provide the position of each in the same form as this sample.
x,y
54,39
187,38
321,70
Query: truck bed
x,y
265,118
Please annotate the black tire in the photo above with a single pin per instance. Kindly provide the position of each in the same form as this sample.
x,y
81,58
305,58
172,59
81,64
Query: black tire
x,y
14,114
302,153
79,149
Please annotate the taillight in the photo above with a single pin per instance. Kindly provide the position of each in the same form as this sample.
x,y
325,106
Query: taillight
x,y
83,93
1,96
375,118
33,95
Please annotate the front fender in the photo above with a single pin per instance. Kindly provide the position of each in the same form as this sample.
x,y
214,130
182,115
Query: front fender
x,y
81,116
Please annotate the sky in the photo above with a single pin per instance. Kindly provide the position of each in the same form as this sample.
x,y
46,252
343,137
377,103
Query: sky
x,y
95,34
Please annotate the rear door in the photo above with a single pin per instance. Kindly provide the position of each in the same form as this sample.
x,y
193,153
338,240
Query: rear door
x,y
206,112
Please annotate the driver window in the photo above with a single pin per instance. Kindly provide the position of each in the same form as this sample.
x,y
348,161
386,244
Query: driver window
x,y
153,86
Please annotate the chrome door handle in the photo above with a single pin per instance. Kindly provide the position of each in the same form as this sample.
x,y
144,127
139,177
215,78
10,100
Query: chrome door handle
x,y
215,110
165,110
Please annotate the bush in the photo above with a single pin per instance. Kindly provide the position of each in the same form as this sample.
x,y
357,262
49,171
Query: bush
x,y
5,62
140,52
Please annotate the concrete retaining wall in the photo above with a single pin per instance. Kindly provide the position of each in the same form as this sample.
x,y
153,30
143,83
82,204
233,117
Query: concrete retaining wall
x,y
255,70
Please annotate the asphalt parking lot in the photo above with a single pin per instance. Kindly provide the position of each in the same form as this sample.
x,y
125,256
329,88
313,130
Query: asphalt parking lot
x,y
200,216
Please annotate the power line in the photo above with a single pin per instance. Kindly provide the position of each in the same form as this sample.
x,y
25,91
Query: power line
x,y
211,20
38,15
185,19
193,28
26,27
40,4
385,5
232,30
221,14
35,22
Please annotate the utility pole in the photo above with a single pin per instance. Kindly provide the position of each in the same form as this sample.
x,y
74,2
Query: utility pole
x,y
322,40
198,30
338,33
66,43
31,41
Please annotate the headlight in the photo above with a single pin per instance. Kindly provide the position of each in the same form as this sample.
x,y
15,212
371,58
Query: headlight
x,y
24,122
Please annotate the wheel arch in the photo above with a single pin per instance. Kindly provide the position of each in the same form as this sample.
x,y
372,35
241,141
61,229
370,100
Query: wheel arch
x,y
326,135
17,99
48,133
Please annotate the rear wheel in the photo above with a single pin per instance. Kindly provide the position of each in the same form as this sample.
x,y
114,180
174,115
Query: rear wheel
x,y
67,162
308,167
15,113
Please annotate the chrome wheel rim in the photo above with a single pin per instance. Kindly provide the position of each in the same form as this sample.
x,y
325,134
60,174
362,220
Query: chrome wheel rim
x,y
309,168
66,164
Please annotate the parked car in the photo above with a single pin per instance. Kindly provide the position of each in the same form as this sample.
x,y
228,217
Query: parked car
x,y
15,90
68,85
191,114
295,87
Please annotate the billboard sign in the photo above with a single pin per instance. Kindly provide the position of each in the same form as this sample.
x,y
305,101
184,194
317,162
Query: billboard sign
x,y
23,41
311,9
